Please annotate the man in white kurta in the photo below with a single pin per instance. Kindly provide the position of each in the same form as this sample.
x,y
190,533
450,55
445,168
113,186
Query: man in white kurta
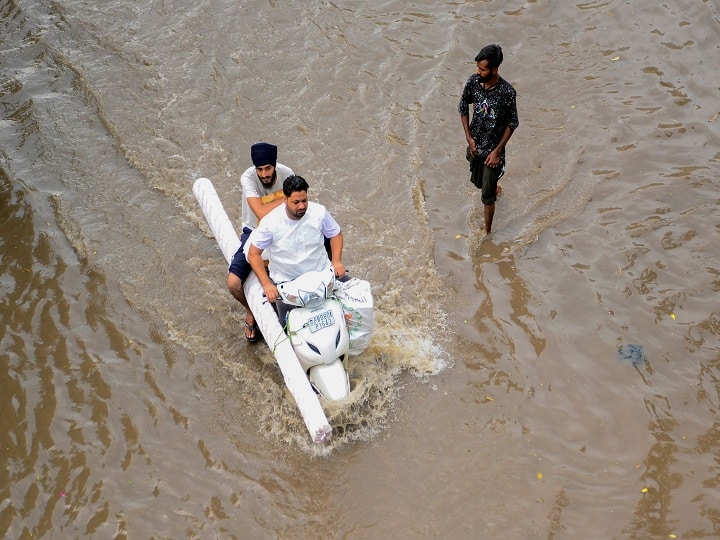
x,y
293,235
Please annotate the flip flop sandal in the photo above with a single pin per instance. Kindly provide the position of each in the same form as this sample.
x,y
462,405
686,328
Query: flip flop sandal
x,y
254,330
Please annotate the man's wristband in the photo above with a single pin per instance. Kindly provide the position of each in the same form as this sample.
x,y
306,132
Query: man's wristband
x,y
265,199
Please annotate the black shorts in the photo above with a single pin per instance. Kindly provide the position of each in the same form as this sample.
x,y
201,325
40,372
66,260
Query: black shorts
x,y
239,265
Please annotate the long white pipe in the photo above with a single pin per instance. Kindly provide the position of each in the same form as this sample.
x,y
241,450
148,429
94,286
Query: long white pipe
x,y
295,378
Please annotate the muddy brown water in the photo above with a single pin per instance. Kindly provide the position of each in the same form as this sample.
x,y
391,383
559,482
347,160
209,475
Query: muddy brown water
x,y
492,401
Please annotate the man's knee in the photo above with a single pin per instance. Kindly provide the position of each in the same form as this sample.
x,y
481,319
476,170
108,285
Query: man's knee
x,y
235,284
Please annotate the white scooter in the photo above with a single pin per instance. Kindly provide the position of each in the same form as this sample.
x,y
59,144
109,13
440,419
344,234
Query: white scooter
x,y
317,329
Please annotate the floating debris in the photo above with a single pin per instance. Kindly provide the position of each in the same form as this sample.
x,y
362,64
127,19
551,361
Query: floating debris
x,y
631,354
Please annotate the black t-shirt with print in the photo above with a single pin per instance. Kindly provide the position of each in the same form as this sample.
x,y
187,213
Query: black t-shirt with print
x,y
493,111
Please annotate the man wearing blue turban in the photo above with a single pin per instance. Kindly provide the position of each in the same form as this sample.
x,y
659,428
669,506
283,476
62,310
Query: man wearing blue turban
x,y
262,192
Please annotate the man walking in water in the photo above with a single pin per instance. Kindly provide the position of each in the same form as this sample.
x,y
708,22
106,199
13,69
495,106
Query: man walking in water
x,y
494,120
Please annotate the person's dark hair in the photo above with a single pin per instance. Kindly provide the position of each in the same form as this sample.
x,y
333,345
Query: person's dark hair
x,y
294,183
492,53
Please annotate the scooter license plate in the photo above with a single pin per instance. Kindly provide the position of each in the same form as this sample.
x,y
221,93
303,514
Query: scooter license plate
x,y
318,322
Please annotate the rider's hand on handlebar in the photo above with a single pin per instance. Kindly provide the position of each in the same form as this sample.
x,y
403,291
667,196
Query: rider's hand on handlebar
x,y
271,292
339,269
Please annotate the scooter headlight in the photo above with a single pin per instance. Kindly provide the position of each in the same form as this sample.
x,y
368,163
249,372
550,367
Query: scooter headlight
x,y
313,298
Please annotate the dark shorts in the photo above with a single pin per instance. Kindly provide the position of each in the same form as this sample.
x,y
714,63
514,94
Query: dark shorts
x,y
483,177
239,265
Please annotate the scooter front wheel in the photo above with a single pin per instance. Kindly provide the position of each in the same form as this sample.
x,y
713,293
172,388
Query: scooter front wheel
x,y
331,381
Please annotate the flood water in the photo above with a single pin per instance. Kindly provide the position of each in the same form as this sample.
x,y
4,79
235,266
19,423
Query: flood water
x,y
559,378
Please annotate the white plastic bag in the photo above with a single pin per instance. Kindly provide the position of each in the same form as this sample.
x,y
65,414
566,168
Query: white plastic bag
x,y
356,298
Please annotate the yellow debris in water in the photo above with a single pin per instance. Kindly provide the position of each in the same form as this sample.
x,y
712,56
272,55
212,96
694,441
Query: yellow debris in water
x,y
539,475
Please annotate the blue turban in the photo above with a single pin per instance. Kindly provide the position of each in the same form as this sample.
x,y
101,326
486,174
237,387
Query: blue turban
x,y
263,153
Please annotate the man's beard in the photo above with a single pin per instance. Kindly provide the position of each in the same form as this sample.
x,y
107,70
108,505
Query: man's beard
x,y
295,214
270,182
